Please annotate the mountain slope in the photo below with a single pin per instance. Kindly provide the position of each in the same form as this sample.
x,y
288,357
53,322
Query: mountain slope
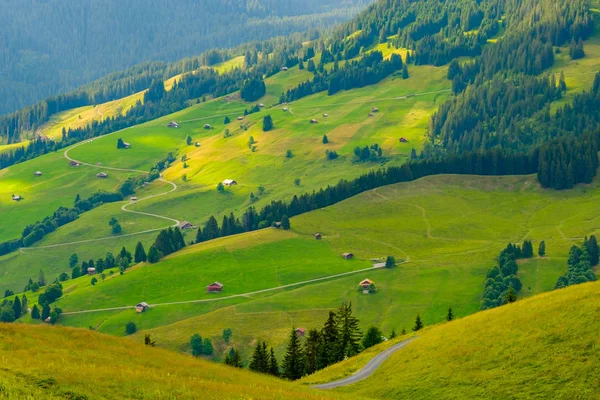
x,y
543,347
42,57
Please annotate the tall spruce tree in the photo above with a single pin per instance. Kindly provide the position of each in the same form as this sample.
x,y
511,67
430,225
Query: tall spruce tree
x,y
329,335
140,253
349,334
418,324
273,364
293,362
450,314
260,359
311,351
542,249
17,307
35,312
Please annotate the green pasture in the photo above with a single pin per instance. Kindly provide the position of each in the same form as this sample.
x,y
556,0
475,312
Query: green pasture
x,y
449,228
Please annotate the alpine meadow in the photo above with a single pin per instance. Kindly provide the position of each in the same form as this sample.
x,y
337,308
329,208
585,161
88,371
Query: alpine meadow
x,y
387,199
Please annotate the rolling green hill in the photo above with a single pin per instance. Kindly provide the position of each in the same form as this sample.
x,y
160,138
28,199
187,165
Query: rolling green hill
x,y
464,99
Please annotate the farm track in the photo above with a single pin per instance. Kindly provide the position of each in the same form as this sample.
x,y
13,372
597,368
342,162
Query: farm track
x,y
368,369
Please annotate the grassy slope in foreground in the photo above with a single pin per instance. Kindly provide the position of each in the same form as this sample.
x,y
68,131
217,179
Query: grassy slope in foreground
x,y
542,347
58,363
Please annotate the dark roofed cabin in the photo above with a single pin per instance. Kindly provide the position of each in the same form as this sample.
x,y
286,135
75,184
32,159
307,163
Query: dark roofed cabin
x,y
403,140
186,225
318,236
214,287
173,124
102,175
348,256
141,307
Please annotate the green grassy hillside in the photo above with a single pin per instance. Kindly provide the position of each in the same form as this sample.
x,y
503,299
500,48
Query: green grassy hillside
x,y
59,363
449,228
543,347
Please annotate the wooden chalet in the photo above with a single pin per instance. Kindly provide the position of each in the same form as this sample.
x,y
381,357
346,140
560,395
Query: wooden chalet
x,y
127,145
348,256
325,115
214,287
284,68
186,225
73,163
91,271
173,124
229,182
207,126
374,109
37,173
197,144
101,175
16,197
277,225
365,284
261,105
240,118
284,108
133,198
318,236
141,307
313,121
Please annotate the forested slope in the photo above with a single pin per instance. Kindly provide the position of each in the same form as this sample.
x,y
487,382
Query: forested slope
x,y
47,47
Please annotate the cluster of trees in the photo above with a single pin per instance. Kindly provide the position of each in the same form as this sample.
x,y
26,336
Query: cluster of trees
x,y
11,310
340,337
168,241
502,283
253,88
201,347
368,153
123,261
580,263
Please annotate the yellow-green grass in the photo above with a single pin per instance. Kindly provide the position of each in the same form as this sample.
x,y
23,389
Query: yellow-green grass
x,y
542,347
83,116
13,146
235,62
58,363
450,228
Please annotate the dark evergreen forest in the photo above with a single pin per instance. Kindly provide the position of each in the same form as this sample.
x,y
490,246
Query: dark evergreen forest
x,y
50,46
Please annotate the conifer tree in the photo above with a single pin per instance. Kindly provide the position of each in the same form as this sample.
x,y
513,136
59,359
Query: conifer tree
x,y
24,307
325,139
285,222
35,312
153,255
450,314
349,334
45,311
311,351
140,253
260,361
293,362
542,249
418,324
17,307
330,335
591,245
273,364
196,345
393,334
207,347
372,337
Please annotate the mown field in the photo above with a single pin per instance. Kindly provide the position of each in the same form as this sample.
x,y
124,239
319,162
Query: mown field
x,y
543,347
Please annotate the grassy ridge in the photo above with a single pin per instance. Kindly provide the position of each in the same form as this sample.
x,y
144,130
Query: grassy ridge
x,y
59,363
